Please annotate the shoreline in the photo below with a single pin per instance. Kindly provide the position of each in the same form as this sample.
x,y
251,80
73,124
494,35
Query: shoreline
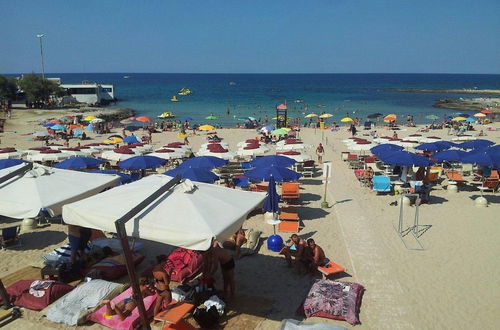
x,y
469,104
449,91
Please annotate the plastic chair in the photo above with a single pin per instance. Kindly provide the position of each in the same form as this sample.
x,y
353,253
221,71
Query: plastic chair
x,y
381,183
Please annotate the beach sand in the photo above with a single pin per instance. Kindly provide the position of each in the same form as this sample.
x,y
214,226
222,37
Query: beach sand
x,y
451,283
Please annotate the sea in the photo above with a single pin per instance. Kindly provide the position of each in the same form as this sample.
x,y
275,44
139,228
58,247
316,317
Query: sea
x,y
233,97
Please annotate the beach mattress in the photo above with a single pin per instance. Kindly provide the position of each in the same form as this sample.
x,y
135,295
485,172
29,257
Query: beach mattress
x,y
131,322
74,307
336,300
24,294
111,268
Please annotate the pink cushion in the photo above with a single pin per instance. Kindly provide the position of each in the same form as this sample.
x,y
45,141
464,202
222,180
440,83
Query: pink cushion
x,y
131,322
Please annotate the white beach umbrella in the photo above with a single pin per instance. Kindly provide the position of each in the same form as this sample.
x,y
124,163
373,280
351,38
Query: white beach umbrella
x,y
168,155
17,154
49,188
114,156
361,147
224,155
205,145
296,146
103,147
45,157
244,143
464,138
252,152
406,143
300,158
197,212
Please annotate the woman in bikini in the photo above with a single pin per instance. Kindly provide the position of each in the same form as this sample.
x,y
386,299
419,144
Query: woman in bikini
x,y
162,285
235,241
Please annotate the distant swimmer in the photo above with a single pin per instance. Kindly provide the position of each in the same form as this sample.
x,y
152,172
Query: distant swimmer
x,y
228,111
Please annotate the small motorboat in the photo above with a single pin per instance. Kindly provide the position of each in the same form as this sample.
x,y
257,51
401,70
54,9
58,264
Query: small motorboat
x,y
184,91
174,99
166,115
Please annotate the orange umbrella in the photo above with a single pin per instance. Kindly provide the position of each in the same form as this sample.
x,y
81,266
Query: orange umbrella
x,y
487,111
144,119
389,118
75,126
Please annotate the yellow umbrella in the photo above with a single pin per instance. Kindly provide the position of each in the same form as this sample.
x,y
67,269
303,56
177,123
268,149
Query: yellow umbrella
x,y
89,118
479,114
181,135
206,128
311,115
326,115
346,119
389,118
113,140
459,118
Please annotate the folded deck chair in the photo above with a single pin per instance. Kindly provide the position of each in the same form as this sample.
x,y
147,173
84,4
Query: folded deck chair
x,y
10,237
381,183
330,269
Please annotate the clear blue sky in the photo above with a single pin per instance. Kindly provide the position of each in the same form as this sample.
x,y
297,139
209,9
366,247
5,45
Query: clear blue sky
x,y
254,36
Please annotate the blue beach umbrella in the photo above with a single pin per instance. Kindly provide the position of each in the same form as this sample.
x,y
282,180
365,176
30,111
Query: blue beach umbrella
x,y
483,158
194,174
131,139
142,162
208,162
272,160
386,147
449,155
49,124
470,119
58,127
5,163
279,174
404,158
476,144
271,203
186,118
435,146
79,163
124,178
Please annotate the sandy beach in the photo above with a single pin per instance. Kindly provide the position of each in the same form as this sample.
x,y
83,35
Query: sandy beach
x,y
449,281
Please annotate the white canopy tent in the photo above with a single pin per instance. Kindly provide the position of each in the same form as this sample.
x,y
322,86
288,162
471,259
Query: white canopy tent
x,y
44,187
189,215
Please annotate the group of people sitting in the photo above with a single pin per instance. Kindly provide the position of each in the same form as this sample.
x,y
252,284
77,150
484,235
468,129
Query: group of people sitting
x,y
307,254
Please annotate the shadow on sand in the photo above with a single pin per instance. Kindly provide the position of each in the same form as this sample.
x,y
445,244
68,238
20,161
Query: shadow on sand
x,y
37,240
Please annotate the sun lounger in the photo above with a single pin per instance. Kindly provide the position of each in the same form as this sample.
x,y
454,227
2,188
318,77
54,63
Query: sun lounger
x,y
455,176
10,237
290,191
289,220
330,269
288,226
489,184
381,184
431,177
173,316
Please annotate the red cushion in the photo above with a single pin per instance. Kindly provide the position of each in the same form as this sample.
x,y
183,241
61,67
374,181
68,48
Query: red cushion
x,y
19,294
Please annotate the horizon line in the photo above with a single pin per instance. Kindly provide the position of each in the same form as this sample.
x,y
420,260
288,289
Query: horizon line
x,y
262,73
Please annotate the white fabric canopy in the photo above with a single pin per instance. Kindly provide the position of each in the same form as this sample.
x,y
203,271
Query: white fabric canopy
x,y
252,152
114,156
224,155
50,188
295,146
190,215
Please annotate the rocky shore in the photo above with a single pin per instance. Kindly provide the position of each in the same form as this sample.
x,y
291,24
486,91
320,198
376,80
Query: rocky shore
x,y
451,91
469,104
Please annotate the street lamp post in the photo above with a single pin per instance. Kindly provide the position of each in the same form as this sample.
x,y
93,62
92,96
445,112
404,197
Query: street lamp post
x,y
40,36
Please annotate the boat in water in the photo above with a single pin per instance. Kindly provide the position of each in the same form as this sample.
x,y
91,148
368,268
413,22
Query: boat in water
x,y
299,101
166,115
174,99
184,91
126,77
232,83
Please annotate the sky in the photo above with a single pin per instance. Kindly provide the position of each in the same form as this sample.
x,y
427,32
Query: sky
x,y
252,36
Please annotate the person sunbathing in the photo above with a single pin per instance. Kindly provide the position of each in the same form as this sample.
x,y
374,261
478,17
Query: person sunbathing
x,y
295,248
316,255
235,241
125,307
162,285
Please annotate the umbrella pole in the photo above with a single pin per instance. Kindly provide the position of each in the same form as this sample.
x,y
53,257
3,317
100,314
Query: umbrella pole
x,y
122,235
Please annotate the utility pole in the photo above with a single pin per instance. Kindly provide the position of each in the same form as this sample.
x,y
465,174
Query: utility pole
x,y
40,36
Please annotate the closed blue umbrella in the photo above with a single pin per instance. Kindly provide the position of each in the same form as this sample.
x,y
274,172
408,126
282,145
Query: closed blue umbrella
x,y
204,162
404,158
280,174
476,144
124,178
79,163
194,174
4,163
272,160
449,155
271,203
131,139
142,162
383,148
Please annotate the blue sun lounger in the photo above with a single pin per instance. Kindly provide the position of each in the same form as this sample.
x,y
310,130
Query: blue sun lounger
x,y
381,184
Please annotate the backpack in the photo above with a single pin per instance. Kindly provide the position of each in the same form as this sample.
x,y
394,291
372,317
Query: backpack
x,y
207,318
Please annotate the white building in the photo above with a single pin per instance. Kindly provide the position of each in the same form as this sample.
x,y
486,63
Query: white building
x,y
91,93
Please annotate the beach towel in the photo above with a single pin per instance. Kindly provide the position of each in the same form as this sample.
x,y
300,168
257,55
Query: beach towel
x,y
36,294
131,322
111,268
73,308
334,300
182,264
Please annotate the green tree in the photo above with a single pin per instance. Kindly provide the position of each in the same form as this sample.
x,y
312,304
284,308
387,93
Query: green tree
x,y
38,89
8,88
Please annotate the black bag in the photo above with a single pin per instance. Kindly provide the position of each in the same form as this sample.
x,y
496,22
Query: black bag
x,y
207,318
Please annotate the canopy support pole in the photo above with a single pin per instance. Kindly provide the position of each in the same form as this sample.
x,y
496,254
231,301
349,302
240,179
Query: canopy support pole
x,y
19,171
122,235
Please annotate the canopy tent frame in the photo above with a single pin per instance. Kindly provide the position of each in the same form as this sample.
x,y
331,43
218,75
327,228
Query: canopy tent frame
x,y
416,229
122,236
20,171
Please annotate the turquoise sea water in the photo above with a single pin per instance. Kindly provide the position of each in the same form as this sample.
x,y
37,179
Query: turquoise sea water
x,y
257,94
